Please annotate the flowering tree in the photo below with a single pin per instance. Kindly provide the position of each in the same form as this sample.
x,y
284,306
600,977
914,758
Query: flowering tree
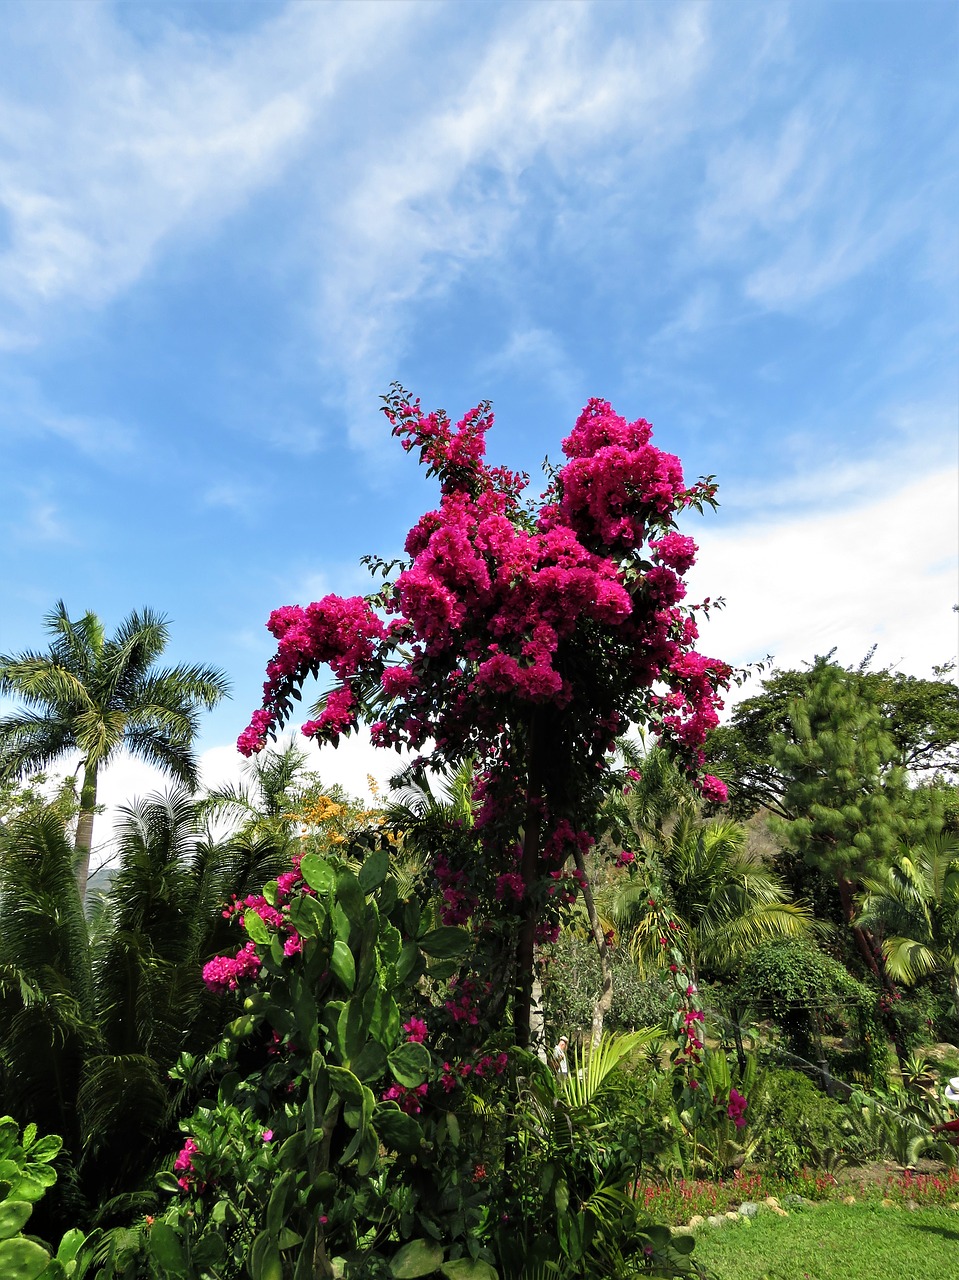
x,y
526,635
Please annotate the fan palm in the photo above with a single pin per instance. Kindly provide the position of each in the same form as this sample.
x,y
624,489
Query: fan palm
x,y
265,801
701,889
97,696
914,905
94,1013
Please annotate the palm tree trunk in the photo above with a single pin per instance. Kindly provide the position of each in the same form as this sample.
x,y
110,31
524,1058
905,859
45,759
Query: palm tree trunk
x,y
874,958
84,840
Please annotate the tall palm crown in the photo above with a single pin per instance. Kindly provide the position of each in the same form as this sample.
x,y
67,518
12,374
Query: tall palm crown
x,y
97,695
699,884
914,905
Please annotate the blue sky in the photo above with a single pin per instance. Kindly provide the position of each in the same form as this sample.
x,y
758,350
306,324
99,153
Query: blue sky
x,y
225,228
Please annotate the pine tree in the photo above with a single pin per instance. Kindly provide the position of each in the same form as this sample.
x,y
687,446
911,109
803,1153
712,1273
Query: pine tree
x,y
848,793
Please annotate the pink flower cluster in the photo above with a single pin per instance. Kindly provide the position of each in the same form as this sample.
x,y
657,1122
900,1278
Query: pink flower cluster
x,y
341,633
183,1165
616,481
463,1002
501,614
409,1099
737,1108
485,1066
416,1030
224,973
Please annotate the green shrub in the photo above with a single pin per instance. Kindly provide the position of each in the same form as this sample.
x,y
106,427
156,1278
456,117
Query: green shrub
x,y
802,1124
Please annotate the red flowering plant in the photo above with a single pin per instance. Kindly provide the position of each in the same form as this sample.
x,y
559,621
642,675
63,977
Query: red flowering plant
x,y
713,1102
525,635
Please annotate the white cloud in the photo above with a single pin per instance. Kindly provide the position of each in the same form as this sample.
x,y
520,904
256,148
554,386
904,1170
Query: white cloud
x,y
882,572
349,765
115,143
451,188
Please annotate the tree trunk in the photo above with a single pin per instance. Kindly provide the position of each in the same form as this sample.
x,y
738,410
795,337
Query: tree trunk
x,y
602,1005
849,911
529,866
873,956
84,841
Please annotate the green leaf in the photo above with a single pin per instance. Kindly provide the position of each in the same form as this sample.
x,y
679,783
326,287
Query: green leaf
x,y
70,1246
374,870
410,1064
468,1269
317,873
684,1244
370,1062
453,1124
384,1016
265,1261
241,1027
343,964
293,1151
22,1259
278,1205
561,1196
398,1131
416,1258
13,1214
351,1031
446,943
346,1084
29,1137
308,916
256,928
32,1187
350,896
167,1247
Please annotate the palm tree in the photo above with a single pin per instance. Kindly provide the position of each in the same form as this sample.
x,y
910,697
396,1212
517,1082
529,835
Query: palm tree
x,y
98,696
704,891
95,1011
914,905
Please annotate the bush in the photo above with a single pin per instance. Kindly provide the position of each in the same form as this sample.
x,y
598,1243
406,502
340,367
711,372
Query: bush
x,y
802,1124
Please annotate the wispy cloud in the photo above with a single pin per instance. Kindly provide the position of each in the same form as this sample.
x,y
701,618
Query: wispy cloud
x,y
540,354
25,410
233,495
545,88
129,141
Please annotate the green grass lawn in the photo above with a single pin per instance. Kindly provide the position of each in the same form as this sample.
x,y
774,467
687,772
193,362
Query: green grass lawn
x,y
836,1242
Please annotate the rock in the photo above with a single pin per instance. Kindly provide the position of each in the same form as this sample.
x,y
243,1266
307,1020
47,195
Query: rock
x,y
715,1220
731,1215
748,1209
912,1204
696,1220
796,1202
849,1199
772,1202
954,1205
887,1203
783,1213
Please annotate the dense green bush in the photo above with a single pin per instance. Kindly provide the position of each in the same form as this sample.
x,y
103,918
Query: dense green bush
x,y
802,1124
808,993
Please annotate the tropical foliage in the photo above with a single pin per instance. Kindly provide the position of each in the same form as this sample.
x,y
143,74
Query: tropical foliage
x,y
97,695
913,905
